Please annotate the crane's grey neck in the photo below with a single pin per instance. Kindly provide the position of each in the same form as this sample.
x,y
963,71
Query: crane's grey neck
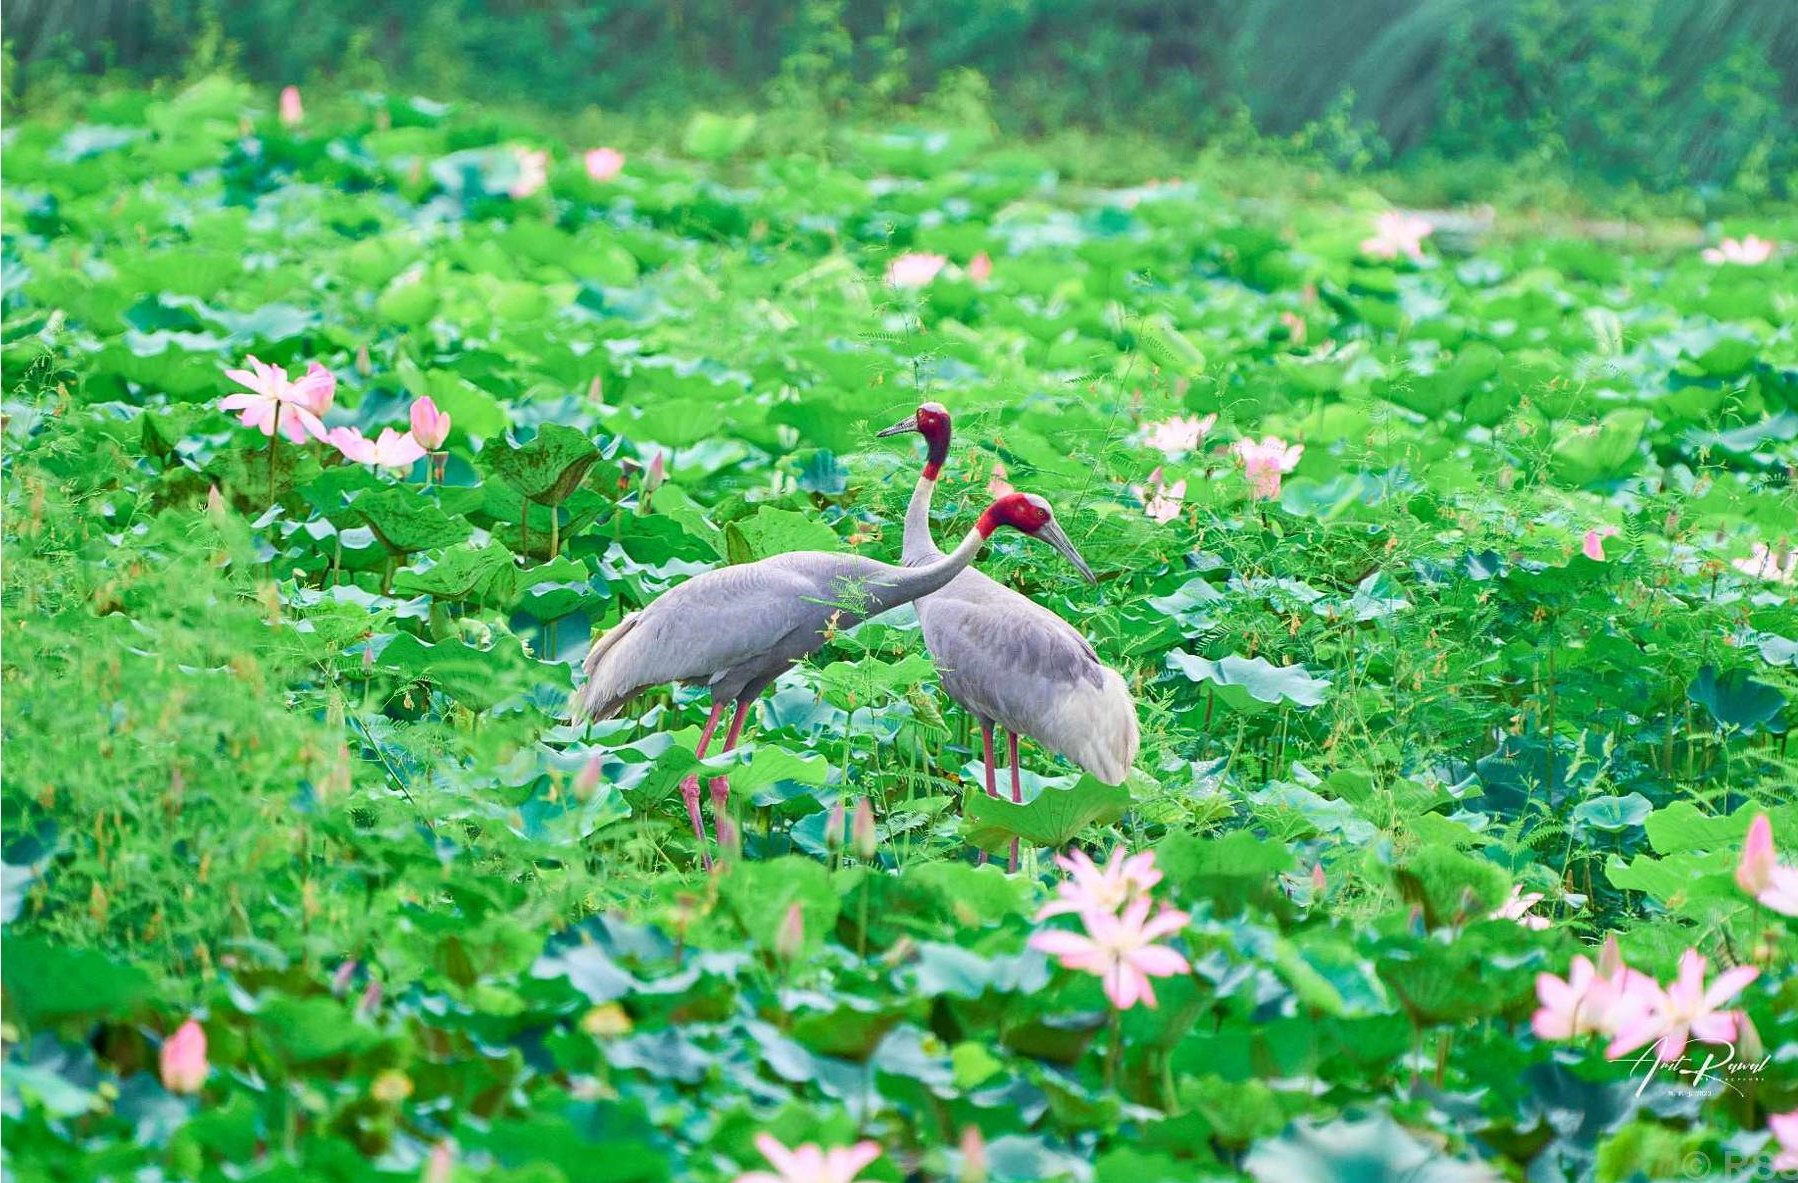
x,y
920,547
906,584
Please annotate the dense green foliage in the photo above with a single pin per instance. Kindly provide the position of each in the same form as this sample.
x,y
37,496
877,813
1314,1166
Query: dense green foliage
x,y
291,758
1662,92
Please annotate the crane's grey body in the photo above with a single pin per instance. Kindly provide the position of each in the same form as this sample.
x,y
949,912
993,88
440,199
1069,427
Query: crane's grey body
x,y
736,629
1009,661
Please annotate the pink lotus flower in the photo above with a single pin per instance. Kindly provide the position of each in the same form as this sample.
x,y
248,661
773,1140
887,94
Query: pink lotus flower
x,y
292,113
1120,950
392,450
1749,251
1763,563
1569,1008
810,1163
1592,1000
1784,1128
1593,545
1760,875
1265,462
1518,908
1686,1010
274,400
603,163
980,267
1106,889
183,1059
1160,501
1176,435
1398,233
430,427
656,475
533,171
914,270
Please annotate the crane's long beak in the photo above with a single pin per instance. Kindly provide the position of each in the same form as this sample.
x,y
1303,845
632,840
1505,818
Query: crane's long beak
x,y
909,423
1055,536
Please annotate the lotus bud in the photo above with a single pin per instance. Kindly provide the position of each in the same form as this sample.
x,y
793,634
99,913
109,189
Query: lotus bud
x,y
789,939
183,1059
430,427
862,831
439,1164
293,113
973,1156
586,782
1610,958
834,825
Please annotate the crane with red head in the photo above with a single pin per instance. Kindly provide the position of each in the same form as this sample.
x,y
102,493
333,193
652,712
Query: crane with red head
x,y
736,629
1004,658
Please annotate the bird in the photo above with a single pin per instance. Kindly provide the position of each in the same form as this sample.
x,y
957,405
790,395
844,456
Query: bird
x,y
1007,660
736,629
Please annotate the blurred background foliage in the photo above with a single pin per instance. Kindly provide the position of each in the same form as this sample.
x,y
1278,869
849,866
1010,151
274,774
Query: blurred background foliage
x,y
1658,94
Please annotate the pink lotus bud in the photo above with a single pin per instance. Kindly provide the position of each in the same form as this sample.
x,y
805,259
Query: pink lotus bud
x,y
1610,958
789,939
439,1164
370,1000
586,782
973,1156
215,501
184,1066
430,427
604,163
657,473
1754,874
292,112
862,830
980,267
596,390
834,825
1319,884
340,981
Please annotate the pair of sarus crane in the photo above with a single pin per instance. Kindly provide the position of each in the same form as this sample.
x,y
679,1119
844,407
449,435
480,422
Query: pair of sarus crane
x,y
1006,660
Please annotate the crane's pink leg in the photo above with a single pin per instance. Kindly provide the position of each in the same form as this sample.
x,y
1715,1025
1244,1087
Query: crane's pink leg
x,y
721,784
986,759
689,787
1017,788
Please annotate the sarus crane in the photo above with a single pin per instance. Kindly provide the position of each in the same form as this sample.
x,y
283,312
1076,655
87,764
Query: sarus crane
x,y
1007,660
736,629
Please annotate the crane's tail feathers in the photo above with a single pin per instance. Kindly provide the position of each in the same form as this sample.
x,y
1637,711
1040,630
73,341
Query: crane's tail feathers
x,y
605,691
1100,729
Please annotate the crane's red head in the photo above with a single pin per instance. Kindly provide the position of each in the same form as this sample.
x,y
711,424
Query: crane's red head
x,y
932,422
1030,514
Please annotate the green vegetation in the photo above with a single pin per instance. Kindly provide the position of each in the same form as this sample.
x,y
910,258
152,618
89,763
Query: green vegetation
x,y
1470,94
285,737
